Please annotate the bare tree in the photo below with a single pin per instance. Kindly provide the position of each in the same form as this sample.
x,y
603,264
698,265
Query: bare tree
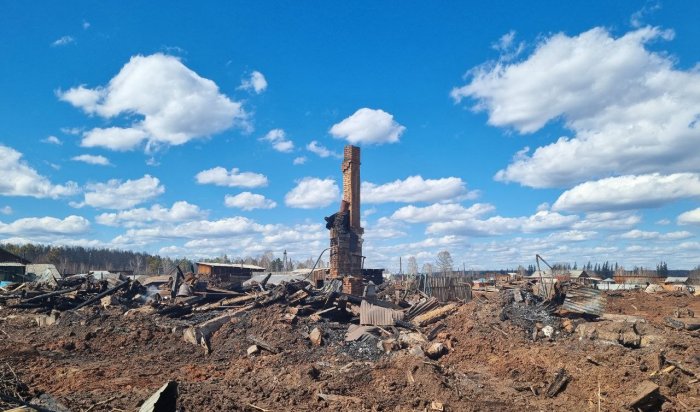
x,y
412,266
444,262
266,259
427,268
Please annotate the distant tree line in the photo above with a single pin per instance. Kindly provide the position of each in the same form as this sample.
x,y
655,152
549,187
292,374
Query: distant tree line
x,y
78,259
269,261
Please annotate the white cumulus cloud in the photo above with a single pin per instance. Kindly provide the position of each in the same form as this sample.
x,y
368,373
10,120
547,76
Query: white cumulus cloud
x,y
608,221
312,192
234,178
43,226
6,210
278,140
19,179
368,126
629,192
691,217
256,83
114,138
499,225
63,41
631,111
249,201
179,212
299,160
115,194
416,189
441,212
92,159
637,234
171,104
321,151
198,229
53,140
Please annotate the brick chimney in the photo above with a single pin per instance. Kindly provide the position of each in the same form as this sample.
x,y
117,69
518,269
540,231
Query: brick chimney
x,y
345,230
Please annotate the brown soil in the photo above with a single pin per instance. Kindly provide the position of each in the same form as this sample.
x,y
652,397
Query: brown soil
x,y
92,355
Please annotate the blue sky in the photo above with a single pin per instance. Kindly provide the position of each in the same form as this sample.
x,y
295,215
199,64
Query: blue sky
x,y
494,131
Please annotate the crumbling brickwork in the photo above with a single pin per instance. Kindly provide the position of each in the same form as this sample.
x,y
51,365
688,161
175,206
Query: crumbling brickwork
x,y
351,183
345,231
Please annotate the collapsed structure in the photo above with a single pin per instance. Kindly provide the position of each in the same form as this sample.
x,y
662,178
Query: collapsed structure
x,y
277,344
274,342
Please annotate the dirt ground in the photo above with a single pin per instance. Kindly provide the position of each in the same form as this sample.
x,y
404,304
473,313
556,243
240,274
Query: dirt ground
x,y
95,355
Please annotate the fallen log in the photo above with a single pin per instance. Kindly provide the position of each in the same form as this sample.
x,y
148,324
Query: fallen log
x,y
103,294
200,334
264,281
434,315
230,302
48,295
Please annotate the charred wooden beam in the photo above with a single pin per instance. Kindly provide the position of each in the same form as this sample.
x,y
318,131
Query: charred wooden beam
x,y
48,295
103,294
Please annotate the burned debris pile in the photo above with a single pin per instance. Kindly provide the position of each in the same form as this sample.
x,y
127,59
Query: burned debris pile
x,y
360,327
317,342
343,338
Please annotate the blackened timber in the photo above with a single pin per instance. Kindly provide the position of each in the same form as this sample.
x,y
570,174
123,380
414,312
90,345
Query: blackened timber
x,y
48,295
103,294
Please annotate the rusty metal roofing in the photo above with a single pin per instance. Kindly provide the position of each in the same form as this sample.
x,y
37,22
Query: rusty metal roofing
x,y
378,316
585,300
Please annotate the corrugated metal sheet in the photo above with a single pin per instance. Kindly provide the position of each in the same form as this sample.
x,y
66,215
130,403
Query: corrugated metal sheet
x,y
448,288
356,332
585,300
421,307
378,316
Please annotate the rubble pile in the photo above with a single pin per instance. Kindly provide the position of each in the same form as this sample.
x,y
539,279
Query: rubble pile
x,y
115,344
530,312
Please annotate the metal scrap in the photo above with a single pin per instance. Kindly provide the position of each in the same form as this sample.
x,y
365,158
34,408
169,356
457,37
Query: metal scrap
x,y
584,300
372,314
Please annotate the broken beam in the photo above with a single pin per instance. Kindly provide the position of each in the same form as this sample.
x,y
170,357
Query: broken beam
x,y
103,294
